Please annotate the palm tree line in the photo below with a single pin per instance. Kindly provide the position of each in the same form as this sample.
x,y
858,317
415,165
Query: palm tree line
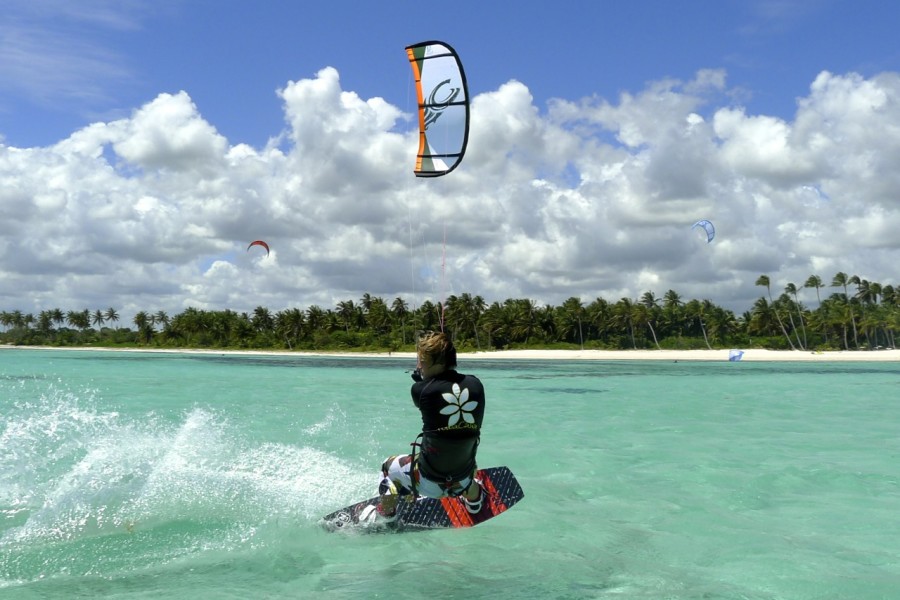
x,y
858,314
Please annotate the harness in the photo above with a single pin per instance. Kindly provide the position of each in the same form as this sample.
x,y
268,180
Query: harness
x,y
445,482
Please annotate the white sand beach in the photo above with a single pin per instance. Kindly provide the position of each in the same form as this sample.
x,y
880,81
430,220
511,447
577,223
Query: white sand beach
x,y
695,355
752,354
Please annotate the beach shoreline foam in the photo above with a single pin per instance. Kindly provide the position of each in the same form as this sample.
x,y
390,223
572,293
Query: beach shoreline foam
x,y
749,355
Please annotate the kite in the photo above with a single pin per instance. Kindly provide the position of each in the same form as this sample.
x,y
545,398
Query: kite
x,y
259,243
443,107
708,227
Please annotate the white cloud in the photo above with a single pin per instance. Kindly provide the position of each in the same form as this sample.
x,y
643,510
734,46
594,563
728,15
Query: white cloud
x,y
168,133
590,199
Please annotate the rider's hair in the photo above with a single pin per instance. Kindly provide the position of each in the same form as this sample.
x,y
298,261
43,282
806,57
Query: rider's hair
x,y
437,346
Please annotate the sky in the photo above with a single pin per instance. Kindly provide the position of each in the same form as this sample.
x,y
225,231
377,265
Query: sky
x,y
144,145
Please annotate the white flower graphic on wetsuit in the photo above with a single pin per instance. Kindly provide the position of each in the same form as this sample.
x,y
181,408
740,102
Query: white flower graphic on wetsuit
x,y
459,406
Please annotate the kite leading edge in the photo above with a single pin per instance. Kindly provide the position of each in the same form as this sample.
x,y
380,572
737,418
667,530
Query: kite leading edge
x,y
443,107
708,227
259,243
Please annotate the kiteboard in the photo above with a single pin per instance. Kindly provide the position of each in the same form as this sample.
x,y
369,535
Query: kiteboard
x,y
502,491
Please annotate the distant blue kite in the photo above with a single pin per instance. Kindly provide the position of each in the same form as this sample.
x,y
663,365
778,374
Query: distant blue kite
x,y
706,225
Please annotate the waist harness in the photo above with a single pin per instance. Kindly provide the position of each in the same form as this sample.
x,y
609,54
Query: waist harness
x,y
444,479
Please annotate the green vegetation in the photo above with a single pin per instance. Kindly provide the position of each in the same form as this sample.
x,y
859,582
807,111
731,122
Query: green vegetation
x,y
867,319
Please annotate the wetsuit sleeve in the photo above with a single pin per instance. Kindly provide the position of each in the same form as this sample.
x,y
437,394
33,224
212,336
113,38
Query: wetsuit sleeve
x,y
416,392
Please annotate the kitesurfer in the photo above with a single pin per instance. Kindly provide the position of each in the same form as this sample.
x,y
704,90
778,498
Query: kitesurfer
x,y
443,460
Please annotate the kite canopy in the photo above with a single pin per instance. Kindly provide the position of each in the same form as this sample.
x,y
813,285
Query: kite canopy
x,y
443,107
708,227
259,243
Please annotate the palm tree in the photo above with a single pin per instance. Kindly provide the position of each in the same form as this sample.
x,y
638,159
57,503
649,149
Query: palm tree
x,y
262,320
144,326
672,317
462,314
697,310
161,318
315,317
79,319
111,315
492,323
289,325
217,328
141,319
840,279
835,313
867,294
623,316
722,324
98,318
649,302
791,289
762,319
524,320
185,325
763,280
866,291
890,298
889,295
378,317
366,302
45,321
571,314
644,316
814,281
347,311
400,310
428,316
599,316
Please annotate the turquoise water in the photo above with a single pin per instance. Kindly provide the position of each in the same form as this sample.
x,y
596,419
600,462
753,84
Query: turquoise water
x,y
128,475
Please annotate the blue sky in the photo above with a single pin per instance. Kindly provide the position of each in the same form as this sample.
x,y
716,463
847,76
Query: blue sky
x,y
231,56
153,142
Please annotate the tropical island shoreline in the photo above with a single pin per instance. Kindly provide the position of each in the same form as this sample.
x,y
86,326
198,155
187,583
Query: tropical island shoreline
x,y
749,355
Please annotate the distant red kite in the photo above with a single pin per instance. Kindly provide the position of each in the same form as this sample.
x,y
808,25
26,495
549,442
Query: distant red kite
x,y
259,243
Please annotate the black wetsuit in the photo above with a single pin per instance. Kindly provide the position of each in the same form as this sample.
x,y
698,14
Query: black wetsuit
x,y
452,406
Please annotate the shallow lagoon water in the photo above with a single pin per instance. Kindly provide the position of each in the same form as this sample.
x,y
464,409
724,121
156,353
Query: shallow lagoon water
x,y
133,475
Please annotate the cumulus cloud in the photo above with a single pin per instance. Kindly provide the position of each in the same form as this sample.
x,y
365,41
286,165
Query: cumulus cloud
x,y
587,198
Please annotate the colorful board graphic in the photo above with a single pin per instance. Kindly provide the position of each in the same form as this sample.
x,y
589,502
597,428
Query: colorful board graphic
x,y
502,492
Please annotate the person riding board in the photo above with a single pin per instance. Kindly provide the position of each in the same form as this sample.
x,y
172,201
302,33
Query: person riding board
x,y
452,408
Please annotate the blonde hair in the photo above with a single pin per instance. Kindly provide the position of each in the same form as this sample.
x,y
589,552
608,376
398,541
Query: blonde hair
x,y
438,348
